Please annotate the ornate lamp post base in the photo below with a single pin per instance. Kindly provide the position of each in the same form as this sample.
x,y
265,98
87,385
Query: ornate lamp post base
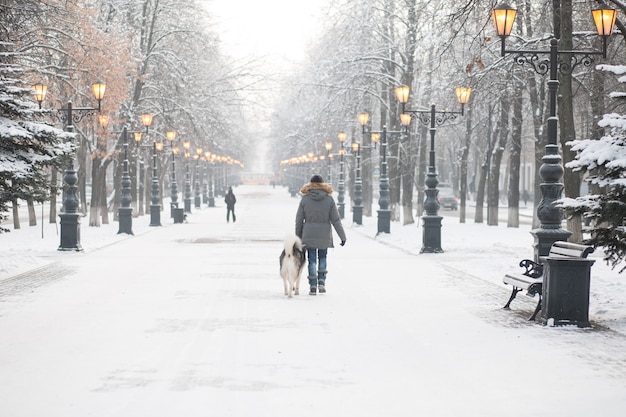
x,y
357,215
125,215
431,238
342,209
155,215
70,232
544,238
384,221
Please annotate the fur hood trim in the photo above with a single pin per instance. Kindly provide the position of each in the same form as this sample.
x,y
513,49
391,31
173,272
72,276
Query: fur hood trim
x,y
316,186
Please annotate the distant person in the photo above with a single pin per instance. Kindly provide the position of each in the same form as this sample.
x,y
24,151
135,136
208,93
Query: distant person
x,y
525,196
230,201
316,213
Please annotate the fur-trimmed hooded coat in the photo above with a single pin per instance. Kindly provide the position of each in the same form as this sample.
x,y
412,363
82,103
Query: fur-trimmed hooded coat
x,y
316,213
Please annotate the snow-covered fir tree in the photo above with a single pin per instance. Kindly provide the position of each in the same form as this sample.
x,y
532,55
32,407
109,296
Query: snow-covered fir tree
x,y
604,161
28,148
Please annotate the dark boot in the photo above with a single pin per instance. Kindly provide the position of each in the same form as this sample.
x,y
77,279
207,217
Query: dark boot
x,y
321,281
312,285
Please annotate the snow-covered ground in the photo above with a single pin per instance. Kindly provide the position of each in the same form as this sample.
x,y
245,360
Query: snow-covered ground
x,y
190,319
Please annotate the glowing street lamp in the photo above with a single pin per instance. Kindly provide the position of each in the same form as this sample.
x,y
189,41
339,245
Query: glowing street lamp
x,y
431,235
551,170
70,218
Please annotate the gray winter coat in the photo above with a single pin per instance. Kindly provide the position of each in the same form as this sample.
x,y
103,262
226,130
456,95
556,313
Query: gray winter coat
x,y
316,213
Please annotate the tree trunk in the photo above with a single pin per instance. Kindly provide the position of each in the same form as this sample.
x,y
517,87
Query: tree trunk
x,y
366,174
98,193
81,160
571,179
407,161
422,144
515,159
501,134
32,216
408,181
54,178
484,172
117,192
16,214
537,97
143,197
463,168
480,190
394,176
597,100
94,207
133,158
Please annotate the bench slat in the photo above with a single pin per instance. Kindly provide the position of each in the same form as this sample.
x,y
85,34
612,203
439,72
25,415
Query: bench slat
x,y
565,253
521,281
570,250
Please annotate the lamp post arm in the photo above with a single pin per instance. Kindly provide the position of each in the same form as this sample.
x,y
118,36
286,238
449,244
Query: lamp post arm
x,y
541,67
70,114
434,117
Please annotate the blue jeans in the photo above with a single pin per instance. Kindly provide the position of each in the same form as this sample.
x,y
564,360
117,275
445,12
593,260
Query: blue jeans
x,y
313,255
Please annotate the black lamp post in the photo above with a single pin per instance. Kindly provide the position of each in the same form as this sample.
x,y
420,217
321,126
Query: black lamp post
x,y
431,237
341,185
357,209
329,146
140,174
171,137
197,201
211,159
125,211
384,214
155,207
551,170
70,218
205,178
187,199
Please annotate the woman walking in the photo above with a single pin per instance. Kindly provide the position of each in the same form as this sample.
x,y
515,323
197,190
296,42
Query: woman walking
x,y
316,213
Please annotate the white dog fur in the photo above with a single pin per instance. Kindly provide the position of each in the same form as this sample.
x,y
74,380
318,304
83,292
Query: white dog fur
x,y
292,260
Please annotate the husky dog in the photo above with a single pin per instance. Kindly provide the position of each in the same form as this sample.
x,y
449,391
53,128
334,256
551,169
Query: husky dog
x,y
292,261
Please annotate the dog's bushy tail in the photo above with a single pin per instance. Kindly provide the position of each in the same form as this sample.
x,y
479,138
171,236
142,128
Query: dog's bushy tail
x,y
292,241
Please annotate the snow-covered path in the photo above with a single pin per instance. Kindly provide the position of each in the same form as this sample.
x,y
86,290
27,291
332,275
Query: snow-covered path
x,y
190,320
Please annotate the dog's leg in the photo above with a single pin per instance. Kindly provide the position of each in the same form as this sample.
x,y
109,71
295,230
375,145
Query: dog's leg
x,y
285,285
297,286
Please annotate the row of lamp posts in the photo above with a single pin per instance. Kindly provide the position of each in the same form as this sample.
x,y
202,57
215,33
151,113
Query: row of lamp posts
x,y
551,170
70,217
431,220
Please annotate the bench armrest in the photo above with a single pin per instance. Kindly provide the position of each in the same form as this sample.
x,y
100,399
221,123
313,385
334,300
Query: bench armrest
x,y
533,269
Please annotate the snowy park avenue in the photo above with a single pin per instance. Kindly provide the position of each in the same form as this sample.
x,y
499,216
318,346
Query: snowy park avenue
x,y
190,320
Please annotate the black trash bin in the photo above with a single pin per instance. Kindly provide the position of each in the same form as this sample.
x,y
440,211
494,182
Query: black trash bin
x,y
178,214
566,284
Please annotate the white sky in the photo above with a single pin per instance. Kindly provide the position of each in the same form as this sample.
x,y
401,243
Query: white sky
x,y
275,33
280,29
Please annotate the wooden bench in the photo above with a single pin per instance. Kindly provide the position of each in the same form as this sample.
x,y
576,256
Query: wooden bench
x,y
531,279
